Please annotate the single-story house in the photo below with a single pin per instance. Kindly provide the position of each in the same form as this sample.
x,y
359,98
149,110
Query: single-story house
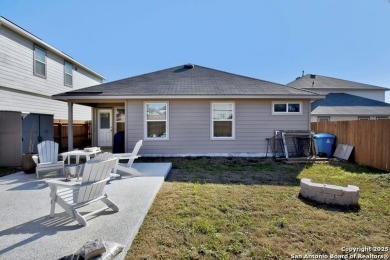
x,y
193,110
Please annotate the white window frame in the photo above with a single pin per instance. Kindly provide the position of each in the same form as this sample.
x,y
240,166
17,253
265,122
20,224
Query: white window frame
x,y
166,138
65,73
286,112
233,137
115,119
364,118
35,60
382,118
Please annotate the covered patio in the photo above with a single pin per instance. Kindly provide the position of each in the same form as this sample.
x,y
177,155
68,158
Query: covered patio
x,y
108,119
27,231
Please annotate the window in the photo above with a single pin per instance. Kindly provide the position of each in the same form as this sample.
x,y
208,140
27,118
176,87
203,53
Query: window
x,y
323,119
363,118
284,108
119,119
382,118
68,74
156,120
222,120
39,62
105,120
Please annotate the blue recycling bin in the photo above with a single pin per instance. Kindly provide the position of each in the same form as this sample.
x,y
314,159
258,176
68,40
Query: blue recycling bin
x,y
325,142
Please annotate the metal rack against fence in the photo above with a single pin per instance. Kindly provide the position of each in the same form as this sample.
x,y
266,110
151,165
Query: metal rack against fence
x,y
303,146
290,143
274,146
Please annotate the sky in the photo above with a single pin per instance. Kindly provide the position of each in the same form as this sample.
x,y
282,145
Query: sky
x,y
273,40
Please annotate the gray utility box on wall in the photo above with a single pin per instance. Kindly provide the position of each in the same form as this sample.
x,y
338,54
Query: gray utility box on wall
x,y
20,133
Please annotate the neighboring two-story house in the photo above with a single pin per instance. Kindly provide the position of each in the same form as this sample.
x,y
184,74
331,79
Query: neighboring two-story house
x,y
345,100
31,71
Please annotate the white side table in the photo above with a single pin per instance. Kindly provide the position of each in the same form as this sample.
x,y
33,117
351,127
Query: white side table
x,y
78,153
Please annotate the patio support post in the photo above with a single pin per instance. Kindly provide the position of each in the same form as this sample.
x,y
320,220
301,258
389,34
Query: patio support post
x,y
126,113
70,126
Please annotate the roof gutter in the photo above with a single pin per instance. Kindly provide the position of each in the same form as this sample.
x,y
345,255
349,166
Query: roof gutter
x,y
286,97
375,88
8,24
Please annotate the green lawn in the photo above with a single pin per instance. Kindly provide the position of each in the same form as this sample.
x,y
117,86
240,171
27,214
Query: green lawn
x,y
250,209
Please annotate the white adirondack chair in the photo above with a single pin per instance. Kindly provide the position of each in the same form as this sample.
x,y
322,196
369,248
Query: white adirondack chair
x,y
107,156
130,157
103,156
47,159
75,195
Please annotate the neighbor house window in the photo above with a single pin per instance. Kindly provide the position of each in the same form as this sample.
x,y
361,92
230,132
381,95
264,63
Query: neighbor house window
x,y
363,118
68,74
222,120
382,118
286,108
156,120
323,119
39,62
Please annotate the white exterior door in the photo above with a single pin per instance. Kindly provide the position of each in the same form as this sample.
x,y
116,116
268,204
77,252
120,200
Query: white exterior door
x,y
104,127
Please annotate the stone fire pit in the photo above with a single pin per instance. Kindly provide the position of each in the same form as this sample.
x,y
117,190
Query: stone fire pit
x,y
329,194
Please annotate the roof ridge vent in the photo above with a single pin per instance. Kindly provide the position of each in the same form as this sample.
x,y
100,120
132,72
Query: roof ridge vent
x,y
189,66
312,76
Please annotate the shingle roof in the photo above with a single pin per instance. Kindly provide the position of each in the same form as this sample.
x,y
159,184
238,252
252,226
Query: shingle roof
x,y
189,81
346,104
322,82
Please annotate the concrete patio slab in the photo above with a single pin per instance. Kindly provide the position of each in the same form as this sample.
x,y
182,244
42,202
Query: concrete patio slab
x,y
27,231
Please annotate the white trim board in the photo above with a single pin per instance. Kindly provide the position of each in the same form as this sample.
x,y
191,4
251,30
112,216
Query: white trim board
x,y
206,155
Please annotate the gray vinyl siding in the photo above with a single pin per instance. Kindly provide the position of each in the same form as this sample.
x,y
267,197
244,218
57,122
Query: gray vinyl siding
x,y
189,127
22,102
16,73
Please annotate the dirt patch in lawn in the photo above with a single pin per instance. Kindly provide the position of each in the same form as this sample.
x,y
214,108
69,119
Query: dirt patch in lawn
x,y
230,170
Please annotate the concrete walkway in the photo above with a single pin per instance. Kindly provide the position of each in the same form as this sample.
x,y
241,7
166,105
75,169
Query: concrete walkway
x,y
27,231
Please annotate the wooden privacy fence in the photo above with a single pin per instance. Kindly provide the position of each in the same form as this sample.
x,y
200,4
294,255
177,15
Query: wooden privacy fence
x,y
370,138
81,135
